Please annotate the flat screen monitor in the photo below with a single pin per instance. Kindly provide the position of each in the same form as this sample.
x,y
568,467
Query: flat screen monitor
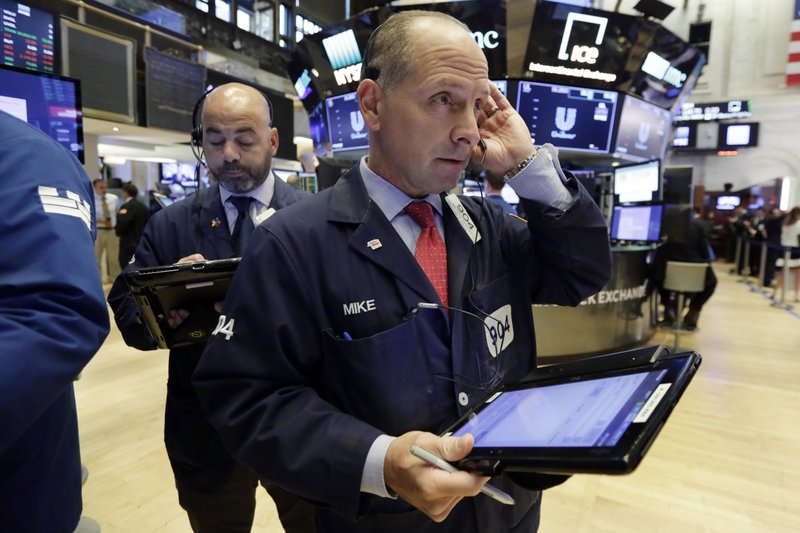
x,y
178,173
303,85
29,37
643,131
728,203
572,118
346,125
49,102
738,135
638,183
685,138
329,170
641,223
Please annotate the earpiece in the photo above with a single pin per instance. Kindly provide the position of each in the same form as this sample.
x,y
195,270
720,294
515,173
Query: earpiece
x,y
369,72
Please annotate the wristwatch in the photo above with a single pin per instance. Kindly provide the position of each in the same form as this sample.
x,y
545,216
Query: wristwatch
x,y
516,169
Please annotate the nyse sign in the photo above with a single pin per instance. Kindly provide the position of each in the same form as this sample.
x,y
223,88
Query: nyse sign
x,y
348,75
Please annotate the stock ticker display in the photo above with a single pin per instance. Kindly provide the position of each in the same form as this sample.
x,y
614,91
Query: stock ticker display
x,y
28,37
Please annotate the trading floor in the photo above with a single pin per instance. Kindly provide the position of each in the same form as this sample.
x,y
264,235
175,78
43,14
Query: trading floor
x,y
726,461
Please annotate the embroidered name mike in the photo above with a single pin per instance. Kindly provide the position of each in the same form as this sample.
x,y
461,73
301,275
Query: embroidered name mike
x,y
354,308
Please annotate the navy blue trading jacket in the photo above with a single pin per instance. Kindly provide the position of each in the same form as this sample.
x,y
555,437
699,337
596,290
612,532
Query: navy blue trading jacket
x,y
326,351
53,319
196,224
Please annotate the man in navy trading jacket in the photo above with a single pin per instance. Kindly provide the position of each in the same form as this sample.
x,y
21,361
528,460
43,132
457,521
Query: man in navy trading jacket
x,y
238,143
327,369
53,319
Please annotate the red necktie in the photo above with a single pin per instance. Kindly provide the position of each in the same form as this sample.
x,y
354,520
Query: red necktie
x,y
430,252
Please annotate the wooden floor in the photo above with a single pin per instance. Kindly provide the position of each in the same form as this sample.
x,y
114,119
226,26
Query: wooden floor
x,y
728,460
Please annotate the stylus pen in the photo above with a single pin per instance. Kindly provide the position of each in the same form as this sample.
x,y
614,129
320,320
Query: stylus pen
x,y
438,462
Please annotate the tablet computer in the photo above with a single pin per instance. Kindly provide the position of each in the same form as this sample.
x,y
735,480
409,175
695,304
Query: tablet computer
x,y
600,421
195,287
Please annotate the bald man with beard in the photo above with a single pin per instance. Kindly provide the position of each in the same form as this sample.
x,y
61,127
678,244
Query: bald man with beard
x,y
238,143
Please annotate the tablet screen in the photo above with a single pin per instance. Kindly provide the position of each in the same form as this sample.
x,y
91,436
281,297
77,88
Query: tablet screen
x,y
589,413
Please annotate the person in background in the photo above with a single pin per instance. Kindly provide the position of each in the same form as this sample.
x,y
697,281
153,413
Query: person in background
x,y
494,189
790,237
772,227
53,319
107,241
131,219
331,367
695,247
238,143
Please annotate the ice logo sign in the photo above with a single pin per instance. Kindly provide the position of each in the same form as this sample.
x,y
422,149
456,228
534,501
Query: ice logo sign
x,y
356,120
565,121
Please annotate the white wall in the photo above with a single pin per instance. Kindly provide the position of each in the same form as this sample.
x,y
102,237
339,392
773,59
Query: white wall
x,y
749,49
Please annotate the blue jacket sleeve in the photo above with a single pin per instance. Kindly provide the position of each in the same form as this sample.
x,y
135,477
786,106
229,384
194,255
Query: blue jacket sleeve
x,y
53,316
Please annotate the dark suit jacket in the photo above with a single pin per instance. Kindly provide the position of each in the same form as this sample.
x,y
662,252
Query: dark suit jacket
x,y
287,383
131,219
195,224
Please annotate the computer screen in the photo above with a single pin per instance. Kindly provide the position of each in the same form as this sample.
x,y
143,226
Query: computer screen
x,y
49,102
572,118
636,223
346,126
329,170
178,173
29,37
644,130
738,135
638,183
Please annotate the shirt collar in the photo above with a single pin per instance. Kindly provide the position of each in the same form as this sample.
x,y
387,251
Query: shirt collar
x,y
389,198
263,193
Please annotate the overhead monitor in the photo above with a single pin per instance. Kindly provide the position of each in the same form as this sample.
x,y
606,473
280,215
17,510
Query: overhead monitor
x,y
684,137
638,183
638,223
51,103
738,135
180,173
29,37
707,111
346,125
670,68
303,85
572,118
106,65
644,130
728,203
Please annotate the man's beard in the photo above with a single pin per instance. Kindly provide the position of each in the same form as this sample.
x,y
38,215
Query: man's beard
x,y
248,181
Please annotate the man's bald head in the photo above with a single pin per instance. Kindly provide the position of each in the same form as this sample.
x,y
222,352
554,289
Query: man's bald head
x,y
238,140
237,98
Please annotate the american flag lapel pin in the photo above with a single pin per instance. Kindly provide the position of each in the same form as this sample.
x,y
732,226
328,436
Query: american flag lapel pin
x,y
374,244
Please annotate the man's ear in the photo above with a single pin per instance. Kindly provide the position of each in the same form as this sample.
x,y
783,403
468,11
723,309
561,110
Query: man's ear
x,y
369,95
274,139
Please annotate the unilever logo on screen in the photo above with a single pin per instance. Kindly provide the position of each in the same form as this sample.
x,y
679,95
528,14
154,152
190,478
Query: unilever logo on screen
x,y
356,120
565,121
